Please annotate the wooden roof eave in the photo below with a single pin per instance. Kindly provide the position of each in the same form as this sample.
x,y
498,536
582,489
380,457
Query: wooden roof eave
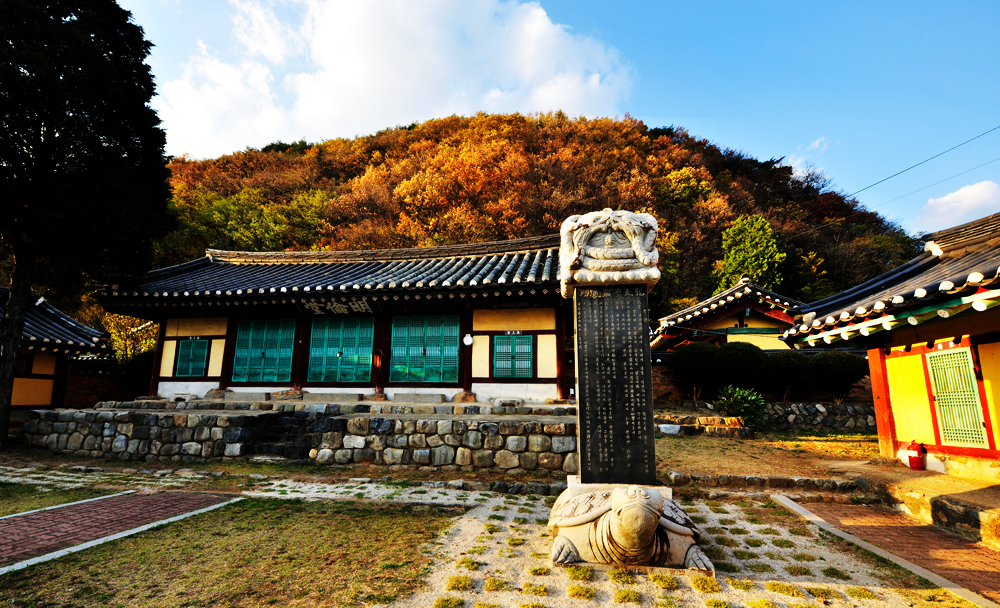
x,y
888,322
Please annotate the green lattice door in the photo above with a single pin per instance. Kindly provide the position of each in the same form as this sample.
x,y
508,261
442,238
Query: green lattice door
x,y
956,398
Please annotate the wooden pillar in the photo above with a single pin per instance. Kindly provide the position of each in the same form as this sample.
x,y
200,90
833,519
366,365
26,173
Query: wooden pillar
x,y
59,380
383,343
883,405
154,380
465,361
561,381
300,351
229,353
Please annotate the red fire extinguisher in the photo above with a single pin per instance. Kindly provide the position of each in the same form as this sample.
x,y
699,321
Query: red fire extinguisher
x,y
916,453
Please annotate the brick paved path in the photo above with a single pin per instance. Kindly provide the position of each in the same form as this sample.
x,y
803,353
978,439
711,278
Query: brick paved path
x,y
34,534
962,562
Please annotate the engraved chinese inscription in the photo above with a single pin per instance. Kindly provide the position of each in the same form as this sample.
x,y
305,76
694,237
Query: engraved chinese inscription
x,y
614,388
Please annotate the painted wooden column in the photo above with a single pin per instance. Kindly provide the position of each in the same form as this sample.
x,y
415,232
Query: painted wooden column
x,y
154,380
883,406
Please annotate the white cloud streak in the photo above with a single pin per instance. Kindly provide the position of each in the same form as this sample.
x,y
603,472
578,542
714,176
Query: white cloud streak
x,y
963,205
364,66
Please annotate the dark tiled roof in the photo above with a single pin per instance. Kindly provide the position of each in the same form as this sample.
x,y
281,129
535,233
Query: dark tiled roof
x,y
958,264
738,294
524,263
45,325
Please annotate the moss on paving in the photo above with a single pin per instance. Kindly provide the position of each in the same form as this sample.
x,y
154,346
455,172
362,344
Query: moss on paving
x,y
257,552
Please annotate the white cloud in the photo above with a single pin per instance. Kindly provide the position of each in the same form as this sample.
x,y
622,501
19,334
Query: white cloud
x,y
364,66
963,205
820,144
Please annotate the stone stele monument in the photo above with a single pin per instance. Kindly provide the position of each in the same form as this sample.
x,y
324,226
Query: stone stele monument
x,y
613,513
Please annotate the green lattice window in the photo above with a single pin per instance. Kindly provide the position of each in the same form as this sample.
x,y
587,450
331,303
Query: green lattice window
x,y
340,350
512,356
424,349
956,398
192,358
264,351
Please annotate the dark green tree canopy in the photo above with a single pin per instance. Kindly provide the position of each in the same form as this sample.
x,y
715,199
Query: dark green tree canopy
x,y
82,168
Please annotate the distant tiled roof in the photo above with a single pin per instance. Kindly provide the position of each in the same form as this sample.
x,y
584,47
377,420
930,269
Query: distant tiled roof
x,y
231,275
737,295
959,267
48,327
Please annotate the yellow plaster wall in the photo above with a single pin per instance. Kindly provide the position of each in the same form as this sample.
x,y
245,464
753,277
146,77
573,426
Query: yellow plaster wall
x,y
167,361
197,327
546,357
32,391
527,319
44,363
754,320
480,356
765,342
218,349
989,360
911,409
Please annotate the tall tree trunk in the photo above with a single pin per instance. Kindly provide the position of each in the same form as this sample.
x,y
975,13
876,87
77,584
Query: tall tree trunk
x,y
11,328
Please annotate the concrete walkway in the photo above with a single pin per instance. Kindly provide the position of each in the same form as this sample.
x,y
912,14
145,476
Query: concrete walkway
x,y
965,563
38,533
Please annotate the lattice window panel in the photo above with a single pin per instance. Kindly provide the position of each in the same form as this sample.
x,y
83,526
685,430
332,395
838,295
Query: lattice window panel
x,y
956,398
264,351
424,349
340,350
512,356
192,357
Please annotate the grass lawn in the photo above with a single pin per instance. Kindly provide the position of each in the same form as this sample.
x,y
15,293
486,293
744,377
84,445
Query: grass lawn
x,y
253,553
770,453
19,497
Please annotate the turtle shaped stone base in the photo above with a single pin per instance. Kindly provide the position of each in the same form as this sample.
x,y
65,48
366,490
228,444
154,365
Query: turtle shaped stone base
x,y
627,526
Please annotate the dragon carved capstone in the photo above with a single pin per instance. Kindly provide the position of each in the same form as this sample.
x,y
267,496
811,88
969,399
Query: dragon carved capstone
x,y
607,247
629,526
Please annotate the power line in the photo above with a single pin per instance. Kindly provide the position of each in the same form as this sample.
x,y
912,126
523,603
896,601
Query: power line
x,y
868,209
923,161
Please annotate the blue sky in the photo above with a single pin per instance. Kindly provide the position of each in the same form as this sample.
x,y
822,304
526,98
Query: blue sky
x,y
859,90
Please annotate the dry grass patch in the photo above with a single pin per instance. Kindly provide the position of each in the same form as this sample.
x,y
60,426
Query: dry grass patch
x,y
449,602
742,585
257,552
580,592
539,571
494,584
469,564
459,582
485,605
759,568
837,574
754,542
21,497
798,571
716,604
627,596
663,581
622,576
761,604
706,584
804,557
533,589
516,542
783,588
725,541
726,567
579,573
823,593
783,543
861,593
744,554
533,605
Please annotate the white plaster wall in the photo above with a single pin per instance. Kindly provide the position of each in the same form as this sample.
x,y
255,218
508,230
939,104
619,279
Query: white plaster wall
x,y
169,389
340,390
259,389
531,393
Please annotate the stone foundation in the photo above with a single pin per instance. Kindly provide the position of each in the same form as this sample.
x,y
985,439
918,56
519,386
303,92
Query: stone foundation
x,y
854,417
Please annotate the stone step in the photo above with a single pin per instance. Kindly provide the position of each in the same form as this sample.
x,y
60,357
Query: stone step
x,y
330,397
419,397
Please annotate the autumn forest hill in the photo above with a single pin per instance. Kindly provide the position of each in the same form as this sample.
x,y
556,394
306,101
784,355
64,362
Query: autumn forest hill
x,y
504,176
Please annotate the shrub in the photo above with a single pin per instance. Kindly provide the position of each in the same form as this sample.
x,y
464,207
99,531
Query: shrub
x,y
788,373
580,592
745,403
695,366
836,372
743,364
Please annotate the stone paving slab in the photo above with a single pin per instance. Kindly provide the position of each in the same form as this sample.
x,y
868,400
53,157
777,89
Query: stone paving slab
x,y
39,533
963,562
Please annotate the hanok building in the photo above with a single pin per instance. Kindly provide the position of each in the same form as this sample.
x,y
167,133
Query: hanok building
x,y
932,330
743,313
483,318
48,340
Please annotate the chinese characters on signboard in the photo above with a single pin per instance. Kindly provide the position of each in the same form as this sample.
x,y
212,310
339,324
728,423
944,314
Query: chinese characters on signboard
x,y
322,308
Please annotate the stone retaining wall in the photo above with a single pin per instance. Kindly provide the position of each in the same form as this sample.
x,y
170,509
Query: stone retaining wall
x,y
318,432
814,416
347,408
